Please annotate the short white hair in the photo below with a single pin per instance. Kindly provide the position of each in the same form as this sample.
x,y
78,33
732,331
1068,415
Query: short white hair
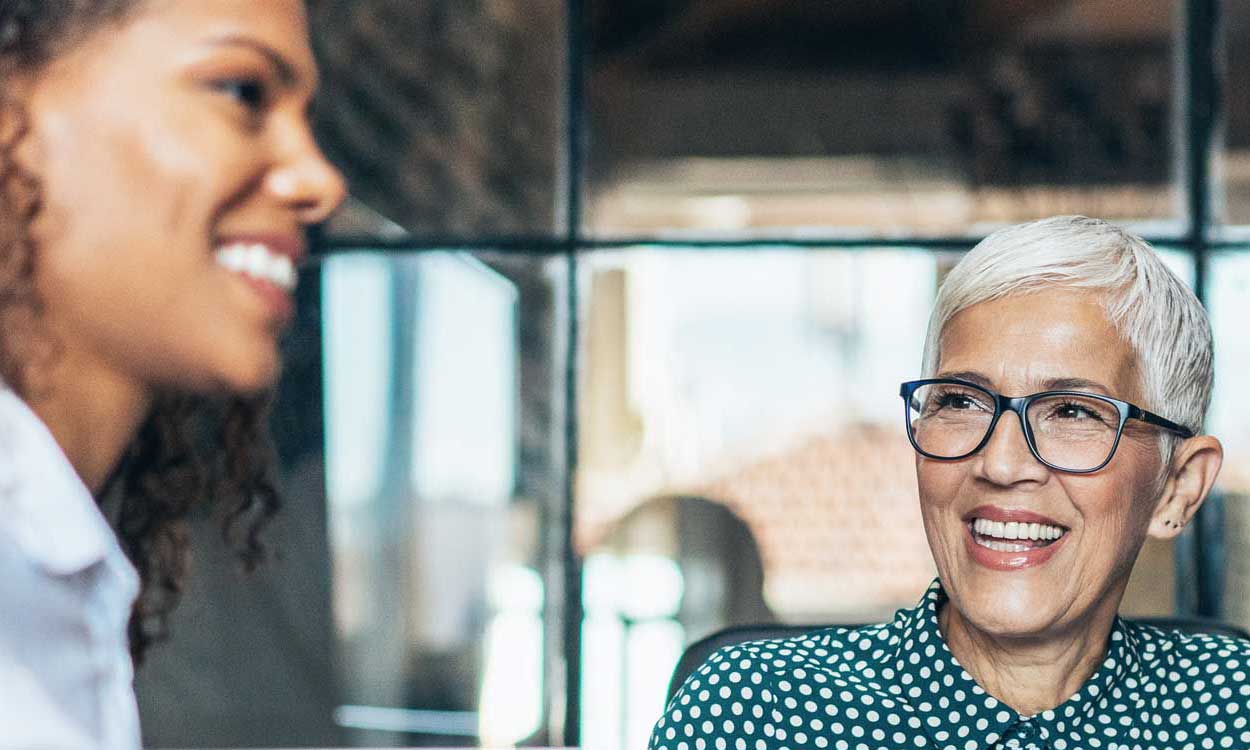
x,y
1157,314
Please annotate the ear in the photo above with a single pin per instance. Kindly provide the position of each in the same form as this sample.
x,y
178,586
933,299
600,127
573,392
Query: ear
x,y
1195,465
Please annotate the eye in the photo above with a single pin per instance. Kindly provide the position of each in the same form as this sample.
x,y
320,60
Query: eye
x,y
251,93
955,400
1072,411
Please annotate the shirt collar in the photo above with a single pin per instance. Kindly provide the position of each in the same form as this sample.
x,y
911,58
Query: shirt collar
x,y
44,505
957,713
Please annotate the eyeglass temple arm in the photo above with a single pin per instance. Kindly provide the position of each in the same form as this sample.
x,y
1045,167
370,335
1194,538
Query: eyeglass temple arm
x,y
1155,419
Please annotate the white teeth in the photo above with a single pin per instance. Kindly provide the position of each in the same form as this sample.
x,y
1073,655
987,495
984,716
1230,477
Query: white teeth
x,y
232,257
283,270
1014,530
259,262
1003,546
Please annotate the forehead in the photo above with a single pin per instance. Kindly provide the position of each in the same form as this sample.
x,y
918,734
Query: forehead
x,y
162,28
252,13
1021,343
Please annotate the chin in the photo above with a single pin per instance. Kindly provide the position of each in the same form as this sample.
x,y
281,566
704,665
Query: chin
x,y
1018,606
238,370
257,380
258,371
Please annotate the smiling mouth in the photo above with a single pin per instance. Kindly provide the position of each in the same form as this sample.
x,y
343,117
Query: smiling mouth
x,y
1014,536
260,262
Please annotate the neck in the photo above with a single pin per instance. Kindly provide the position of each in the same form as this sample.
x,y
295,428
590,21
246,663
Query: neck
x,y
92,412
1031,674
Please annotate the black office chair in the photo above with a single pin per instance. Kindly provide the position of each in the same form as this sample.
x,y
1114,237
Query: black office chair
x,y
699,651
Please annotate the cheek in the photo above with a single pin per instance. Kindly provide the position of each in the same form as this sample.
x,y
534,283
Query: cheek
x,y
124,242
1116,508
135,179
939,485
1126,512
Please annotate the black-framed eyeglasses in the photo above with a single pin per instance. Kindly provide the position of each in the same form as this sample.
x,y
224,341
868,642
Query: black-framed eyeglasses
x,y
1068,431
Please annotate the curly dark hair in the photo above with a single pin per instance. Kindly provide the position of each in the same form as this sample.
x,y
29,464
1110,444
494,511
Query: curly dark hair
x,y
194,454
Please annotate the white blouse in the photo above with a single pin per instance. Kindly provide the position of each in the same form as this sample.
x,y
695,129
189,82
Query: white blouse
x,y
66,590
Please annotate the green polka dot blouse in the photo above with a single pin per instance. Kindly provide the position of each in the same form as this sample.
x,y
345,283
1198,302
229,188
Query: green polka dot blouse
x,y
897,686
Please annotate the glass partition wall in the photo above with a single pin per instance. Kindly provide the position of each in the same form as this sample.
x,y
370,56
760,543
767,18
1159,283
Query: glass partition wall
x,y
612,328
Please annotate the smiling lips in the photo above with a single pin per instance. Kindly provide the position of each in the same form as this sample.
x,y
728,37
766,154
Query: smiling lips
x,y
1003,539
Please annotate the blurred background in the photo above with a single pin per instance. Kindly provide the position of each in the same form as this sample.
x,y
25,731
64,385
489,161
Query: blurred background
x,y
603,354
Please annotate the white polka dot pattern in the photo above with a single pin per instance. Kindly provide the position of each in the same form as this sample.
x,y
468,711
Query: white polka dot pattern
x,y
896,686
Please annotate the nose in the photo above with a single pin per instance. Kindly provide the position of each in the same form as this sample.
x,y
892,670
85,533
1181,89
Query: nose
x,y
1006,459
306,181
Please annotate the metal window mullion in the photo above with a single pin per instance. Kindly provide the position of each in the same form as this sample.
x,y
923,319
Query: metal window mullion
x,y
1200,89
1200,92
574,174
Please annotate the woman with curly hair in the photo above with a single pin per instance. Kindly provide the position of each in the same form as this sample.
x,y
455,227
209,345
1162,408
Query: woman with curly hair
x,y
157,169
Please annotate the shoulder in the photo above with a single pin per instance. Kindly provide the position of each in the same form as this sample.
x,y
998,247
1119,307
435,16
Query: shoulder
x,y
784,690
40,491
821,650
1194,680
1176,655
754,676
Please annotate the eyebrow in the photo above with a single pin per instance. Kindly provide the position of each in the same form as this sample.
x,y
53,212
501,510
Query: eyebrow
x,y
288,75
1053,384
1076,384
969,375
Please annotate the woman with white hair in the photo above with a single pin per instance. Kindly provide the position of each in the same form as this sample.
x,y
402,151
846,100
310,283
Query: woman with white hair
x,y
1035,519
